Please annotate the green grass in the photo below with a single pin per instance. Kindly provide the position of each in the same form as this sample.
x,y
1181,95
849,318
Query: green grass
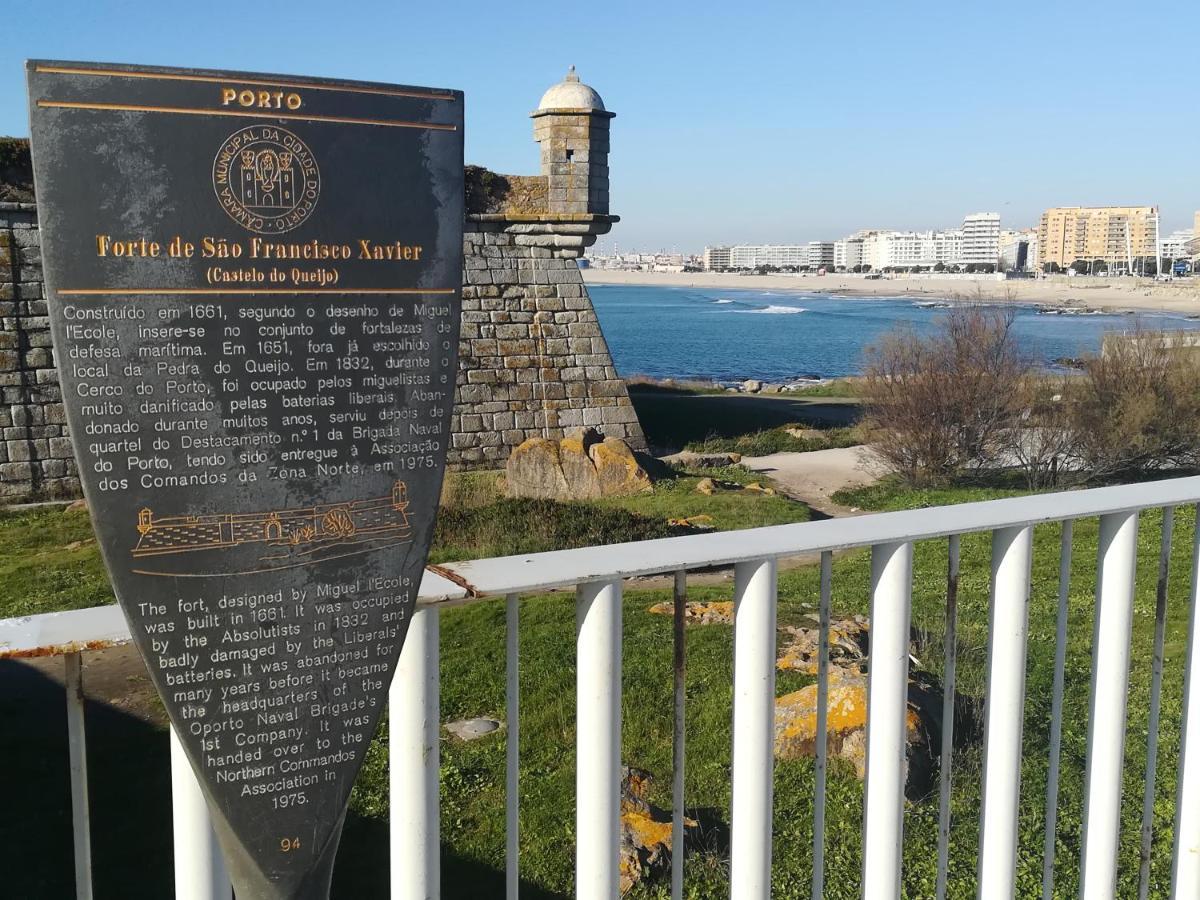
x,y
49,561
777,440
472,683
507,527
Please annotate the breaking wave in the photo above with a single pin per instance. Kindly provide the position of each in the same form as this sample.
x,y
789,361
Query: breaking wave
x,y
776,310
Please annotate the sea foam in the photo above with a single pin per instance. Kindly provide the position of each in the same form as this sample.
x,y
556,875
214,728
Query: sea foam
x,y
777,310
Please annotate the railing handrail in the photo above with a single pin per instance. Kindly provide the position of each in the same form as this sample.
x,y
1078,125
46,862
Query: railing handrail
x,y
52,634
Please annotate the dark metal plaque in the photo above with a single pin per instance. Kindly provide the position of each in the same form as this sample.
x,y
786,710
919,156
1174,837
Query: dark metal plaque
x,y
254,285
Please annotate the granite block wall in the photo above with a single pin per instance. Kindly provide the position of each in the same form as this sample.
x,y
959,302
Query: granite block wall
x,y
532,359
36,461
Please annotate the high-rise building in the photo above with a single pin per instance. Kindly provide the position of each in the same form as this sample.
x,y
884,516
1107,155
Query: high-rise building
x,y
1118,235
821,255
751,256
1018,249
913,249
848,253
716,258
1178,244
981,239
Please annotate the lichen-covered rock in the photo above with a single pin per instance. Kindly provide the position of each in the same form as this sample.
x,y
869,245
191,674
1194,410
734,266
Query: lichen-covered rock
x,y
757,487
698,612
535,470
584,465
849,643
645,830
694,523
846,730
618,471
574,453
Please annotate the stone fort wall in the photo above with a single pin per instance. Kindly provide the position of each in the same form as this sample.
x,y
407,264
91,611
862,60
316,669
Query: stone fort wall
x,y
532,359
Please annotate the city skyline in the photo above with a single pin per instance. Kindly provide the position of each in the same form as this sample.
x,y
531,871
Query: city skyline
x,y
720,136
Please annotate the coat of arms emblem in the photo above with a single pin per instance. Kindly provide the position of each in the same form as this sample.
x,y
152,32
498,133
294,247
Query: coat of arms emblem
x,y
266,179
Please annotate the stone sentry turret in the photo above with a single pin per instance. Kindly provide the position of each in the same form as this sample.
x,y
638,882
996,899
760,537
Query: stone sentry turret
x,y
532,359
571,125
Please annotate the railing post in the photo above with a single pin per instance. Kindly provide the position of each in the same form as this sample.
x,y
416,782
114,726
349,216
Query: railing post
x,y
1185,863
1156,678
753,729
512,748
949,688
413,761
818,875
77,745
199,866
1116,567
887,708
1056,705
598,740
1012,557
678,734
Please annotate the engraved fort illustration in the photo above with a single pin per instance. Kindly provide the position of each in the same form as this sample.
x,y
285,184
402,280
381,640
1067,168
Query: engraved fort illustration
x,y
273,539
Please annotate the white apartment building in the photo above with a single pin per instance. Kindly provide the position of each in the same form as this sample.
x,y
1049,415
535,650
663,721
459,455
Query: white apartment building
x,y
716,258
909,249
848,253
1018,250
981,239
1176,244
821,255
751,256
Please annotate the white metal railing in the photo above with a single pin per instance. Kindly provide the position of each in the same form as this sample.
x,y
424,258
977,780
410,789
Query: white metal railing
x,y
596,574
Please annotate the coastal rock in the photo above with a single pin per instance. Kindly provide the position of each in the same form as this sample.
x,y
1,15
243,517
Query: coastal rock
x,y
756,487
535,470
750,386
699,612
645,830
694,523
846,727
706,486
772,388
849,644
618,472
689,459
582,466
575,456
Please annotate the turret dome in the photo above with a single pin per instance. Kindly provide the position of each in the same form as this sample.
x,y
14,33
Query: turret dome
x,y
571,93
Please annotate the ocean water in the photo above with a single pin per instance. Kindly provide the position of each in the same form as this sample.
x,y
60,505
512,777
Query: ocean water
x,y
732,335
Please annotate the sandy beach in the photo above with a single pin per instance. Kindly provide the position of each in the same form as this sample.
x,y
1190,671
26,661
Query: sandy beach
x,y
1182,296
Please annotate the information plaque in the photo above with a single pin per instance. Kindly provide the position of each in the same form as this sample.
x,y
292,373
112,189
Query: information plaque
x,y
254,285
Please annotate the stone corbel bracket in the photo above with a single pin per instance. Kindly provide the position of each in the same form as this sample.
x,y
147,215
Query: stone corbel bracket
x,y
566,235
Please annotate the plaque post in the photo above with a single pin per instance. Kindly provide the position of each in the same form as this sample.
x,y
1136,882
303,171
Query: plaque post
x,y
254,288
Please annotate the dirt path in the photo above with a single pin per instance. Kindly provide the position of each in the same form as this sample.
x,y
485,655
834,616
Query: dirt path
x,y
814,477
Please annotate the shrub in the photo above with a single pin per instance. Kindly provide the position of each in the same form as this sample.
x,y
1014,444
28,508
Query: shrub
x,y
937,406
1137,407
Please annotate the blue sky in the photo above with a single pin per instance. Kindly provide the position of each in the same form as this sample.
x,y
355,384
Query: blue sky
x,y
741,122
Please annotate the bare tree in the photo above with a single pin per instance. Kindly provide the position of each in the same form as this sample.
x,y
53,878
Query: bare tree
x,y
938,406
1041,441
